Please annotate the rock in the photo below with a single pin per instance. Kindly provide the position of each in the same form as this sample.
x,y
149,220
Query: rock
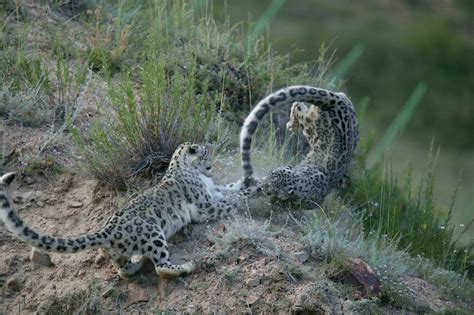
x,y
424,295
219,230
40,258
302,256
18,199
107,293
100,259
137,295
29,196
75,204
253,282
51,200
4,267
365,276
66,182
13,283
40,204
80,273
251,299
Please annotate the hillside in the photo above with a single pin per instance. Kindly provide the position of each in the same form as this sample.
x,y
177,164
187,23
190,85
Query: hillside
x,y
94,98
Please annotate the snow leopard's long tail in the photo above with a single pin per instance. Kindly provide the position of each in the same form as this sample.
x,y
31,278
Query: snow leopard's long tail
x,y
36,239
286,96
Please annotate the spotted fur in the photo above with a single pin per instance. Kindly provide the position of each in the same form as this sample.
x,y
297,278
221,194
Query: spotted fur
x,y
186,194
331,129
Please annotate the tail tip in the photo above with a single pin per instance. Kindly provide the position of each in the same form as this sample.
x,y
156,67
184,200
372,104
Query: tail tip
x,y
8,178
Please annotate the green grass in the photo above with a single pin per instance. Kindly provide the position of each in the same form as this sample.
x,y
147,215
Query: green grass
x,y
409,213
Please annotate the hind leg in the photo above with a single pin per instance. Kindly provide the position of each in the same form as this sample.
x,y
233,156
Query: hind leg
x,y
159,254
304,182
124,264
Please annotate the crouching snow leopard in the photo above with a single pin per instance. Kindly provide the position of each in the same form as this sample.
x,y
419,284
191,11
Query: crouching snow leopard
x,y
186,193
330,126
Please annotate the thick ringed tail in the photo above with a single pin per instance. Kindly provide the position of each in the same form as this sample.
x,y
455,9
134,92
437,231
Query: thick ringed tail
x,y
36,239
285,96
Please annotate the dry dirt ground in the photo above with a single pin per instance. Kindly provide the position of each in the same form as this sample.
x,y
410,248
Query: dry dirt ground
x,y
237,279
245,265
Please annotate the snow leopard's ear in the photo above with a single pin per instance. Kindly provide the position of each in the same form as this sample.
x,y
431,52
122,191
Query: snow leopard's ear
x,y
8,178
193,149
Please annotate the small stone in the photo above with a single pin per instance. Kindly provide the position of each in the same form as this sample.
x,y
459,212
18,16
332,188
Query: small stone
x,y
18,199
40,204
80,273
51,201
251,299
253,282
75,204
100,259
4,267
29,196
219,230
29,180
364,275
137,295
13,284
107,293
40,258
302,256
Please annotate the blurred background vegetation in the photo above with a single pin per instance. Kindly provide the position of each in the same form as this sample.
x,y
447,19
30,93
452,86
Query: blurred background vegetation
x,y
395,45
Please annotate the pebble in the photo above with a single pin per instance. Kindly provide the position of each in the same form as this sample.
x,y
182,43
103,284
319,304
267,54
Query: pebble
x,y
80,273
13,283
18,199
100,259
75,204
302,256
253,282
40,258
250,300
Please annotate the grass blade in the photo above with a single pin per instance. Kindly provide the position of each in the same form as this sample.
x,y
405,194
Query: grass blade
x,y
265,19
343,67
398,124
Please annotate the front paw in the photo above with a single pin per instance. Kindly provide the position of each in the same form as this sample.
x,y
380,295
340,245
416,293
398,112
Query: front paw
x,y
250,182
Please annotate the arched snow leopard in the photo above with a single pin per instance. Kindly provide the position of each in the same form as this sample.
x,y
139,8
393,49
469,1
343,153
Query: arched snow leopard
x,y
186,193
329,125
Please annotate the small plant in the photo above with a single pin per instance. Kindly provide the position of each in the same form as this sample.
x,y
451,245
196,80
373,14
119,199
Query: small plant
x,y
28,108
39,164
136,136
251,232
109,42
